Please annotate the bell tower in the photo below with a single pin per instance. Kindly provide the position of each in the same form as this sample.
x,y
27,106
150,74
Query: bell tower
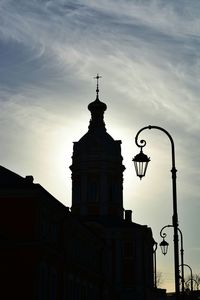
x,y
97,169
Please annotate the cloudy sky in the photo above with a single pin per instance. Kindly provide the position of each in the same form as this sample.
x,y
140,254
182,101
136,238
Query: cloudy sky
x,y
147,52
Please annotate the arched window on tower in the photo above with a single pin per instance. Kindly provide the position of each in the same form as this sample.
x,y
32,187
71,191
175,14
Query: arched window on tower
x,y
113,189
93,189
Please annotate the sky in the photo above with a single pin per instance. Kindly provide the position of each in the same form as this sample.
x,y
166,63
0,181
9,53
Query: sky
x,y
147,52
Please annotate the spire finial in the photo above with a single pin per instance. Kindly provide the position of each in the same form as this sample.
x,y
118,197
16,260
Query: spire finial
x,y
97,78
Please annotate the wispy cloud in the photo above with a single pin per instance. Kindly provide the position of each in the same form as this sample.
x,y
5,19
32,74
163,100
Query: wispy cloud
x,y
146,50
148,54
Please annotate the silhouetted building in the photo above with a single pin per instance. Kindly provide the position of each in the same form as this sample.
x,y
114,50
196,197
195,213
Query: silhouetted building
x,y
94,251
45,252
97,200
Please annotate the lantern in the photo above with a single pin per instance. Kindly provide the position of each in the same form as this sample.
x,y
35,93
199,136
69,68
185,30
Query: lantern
x,y
164,246
141,161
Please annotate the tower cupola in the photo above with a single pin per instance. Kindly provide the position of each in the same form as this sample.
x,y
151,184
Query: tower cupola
x,y
97,109
97,169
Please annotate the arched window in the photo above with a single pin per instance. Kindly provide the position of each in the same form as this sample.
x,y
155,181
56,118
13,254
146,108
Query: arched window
x,y
52,283
93,189
43,281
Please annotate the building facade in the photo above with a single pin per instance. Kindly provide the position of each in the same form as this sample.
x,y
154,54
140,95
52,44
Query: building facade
x,y
93,250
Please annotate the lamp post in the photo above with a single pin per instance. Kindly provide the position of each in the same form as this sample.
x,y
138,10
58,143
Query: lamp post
x,y
141,161
164,251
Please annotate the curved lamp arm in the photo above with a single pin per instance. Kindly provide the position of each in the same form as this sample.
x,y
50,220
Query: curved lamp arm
x,y
163,234
191,276
142,143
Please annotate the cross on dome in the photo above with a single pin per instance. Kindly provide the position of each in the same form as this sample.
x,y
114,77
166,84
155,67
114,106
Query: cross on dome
x,y
97,78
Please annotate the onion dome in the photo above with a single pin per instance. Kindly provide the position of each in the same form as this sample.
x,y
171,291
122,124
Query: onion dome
x,y
97,106
97,109
97,141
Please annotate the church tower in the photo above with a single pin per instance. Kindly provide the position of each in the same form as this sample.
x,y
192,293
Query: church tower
x,y
97,169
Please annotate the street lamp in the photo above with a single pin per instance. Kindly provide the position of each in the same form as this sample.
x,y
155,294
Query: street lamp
x,y
141,167
191,276
163,235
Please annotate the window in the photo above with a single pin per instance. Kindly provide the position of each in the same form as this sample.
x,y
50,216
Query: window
x,y
93,189
52,284
128,263
43,281
128,272
47,287
128,249
68,286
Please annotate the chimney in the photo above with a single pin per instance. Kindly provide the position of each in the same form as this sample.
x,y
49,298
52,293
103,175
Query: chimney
x,y
128,215
29,179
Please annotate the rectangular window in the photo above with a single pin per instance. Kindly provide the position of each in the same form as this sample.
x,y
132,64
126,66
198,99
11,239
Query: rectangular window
x,y
128,272
43,281
52,284
128,263
128,249
93,189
